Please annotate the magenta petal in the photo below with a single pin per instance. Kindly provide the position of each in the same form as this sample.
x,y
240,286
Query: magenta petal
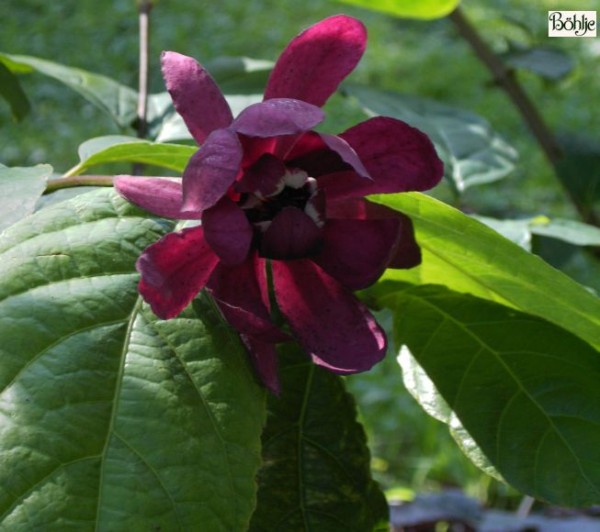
x,y
195,95
227,231
238,292
291,235
174,270
264,177
157,195
346,152
398,157
331,324
356,252
273,118
264,359
317,61
408,252
211,171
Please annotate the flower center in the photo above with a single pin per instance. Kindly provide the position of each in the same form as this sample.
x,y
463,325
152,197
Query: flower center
x,y
296,189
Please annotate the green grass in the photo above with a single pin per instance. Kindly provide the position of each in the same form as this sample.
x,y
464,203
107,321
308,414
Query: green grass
x,y
426,59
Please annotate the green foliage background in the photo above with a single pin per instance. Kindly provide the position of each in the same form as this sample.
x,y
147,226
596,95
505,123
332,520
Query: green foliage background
x,y
413,57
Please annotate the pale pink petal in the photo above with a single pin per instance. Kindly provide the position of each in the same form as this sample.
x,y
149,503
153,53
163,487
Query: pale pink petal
x,y
195,95
273,118
174,270
211,171
157,195
356,252
291,235
317,61
227,231
336,329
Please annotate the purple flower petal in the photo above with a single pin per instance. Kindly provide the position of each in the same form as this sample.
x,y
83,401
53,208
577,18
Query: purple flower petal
x,y
242,300
356,252
316,61
157,195
291,235
195,95
264,177
264,359
227,231
407,253
211,171
174,270
331,324
399,158
347,153
273,118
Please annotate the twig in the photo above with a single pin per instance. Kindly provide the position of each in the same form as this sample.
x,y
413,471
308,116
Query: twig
x,y
145,6
504,76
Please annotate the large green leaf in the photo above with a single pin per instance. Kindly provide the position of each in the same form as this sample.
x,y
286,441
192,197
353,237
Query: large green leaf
x,y
467,256
117,148
473,153
11,91
524,389
20,188
422,9
316,474
545,61
115,99
112,419
240,75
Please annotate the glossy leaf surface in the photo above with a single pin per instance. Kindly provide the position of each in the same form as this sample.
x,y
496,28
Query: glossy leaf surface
x,y
20,189
112,419
523,388
466,256
422,9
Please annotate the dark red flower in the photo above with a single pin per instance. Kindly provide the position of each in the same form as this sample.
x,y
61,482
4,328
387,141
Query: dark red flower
x,y
274,195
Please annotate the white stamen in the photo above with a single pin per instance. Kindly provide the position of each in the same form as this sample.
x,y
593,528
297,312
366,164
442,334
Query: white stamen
x,y
295,178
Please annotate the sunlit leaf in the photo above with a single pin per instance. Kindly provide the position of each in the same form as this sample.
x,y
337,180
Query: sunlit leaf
x,y
116,148
115,99
423,9
467,256
473,153
524,389
112,419
316,463
20,189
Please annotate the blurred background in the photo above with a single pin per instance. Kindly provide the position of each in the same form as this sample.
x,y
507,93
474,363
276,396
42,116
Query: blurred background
x,y
411,451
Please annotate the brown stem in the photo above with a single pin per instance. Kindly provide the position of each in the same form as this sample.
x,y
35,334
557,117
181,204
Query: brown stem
x,y
504,76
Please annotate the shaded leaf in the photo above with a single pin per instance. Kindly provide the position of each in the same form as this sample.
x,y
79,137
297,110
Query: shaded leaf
x,y
116,148
547,62
473,153
465,255
528,398
115,99
315,474
579,172
521,231
422,9
112,419
20,189
11,91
